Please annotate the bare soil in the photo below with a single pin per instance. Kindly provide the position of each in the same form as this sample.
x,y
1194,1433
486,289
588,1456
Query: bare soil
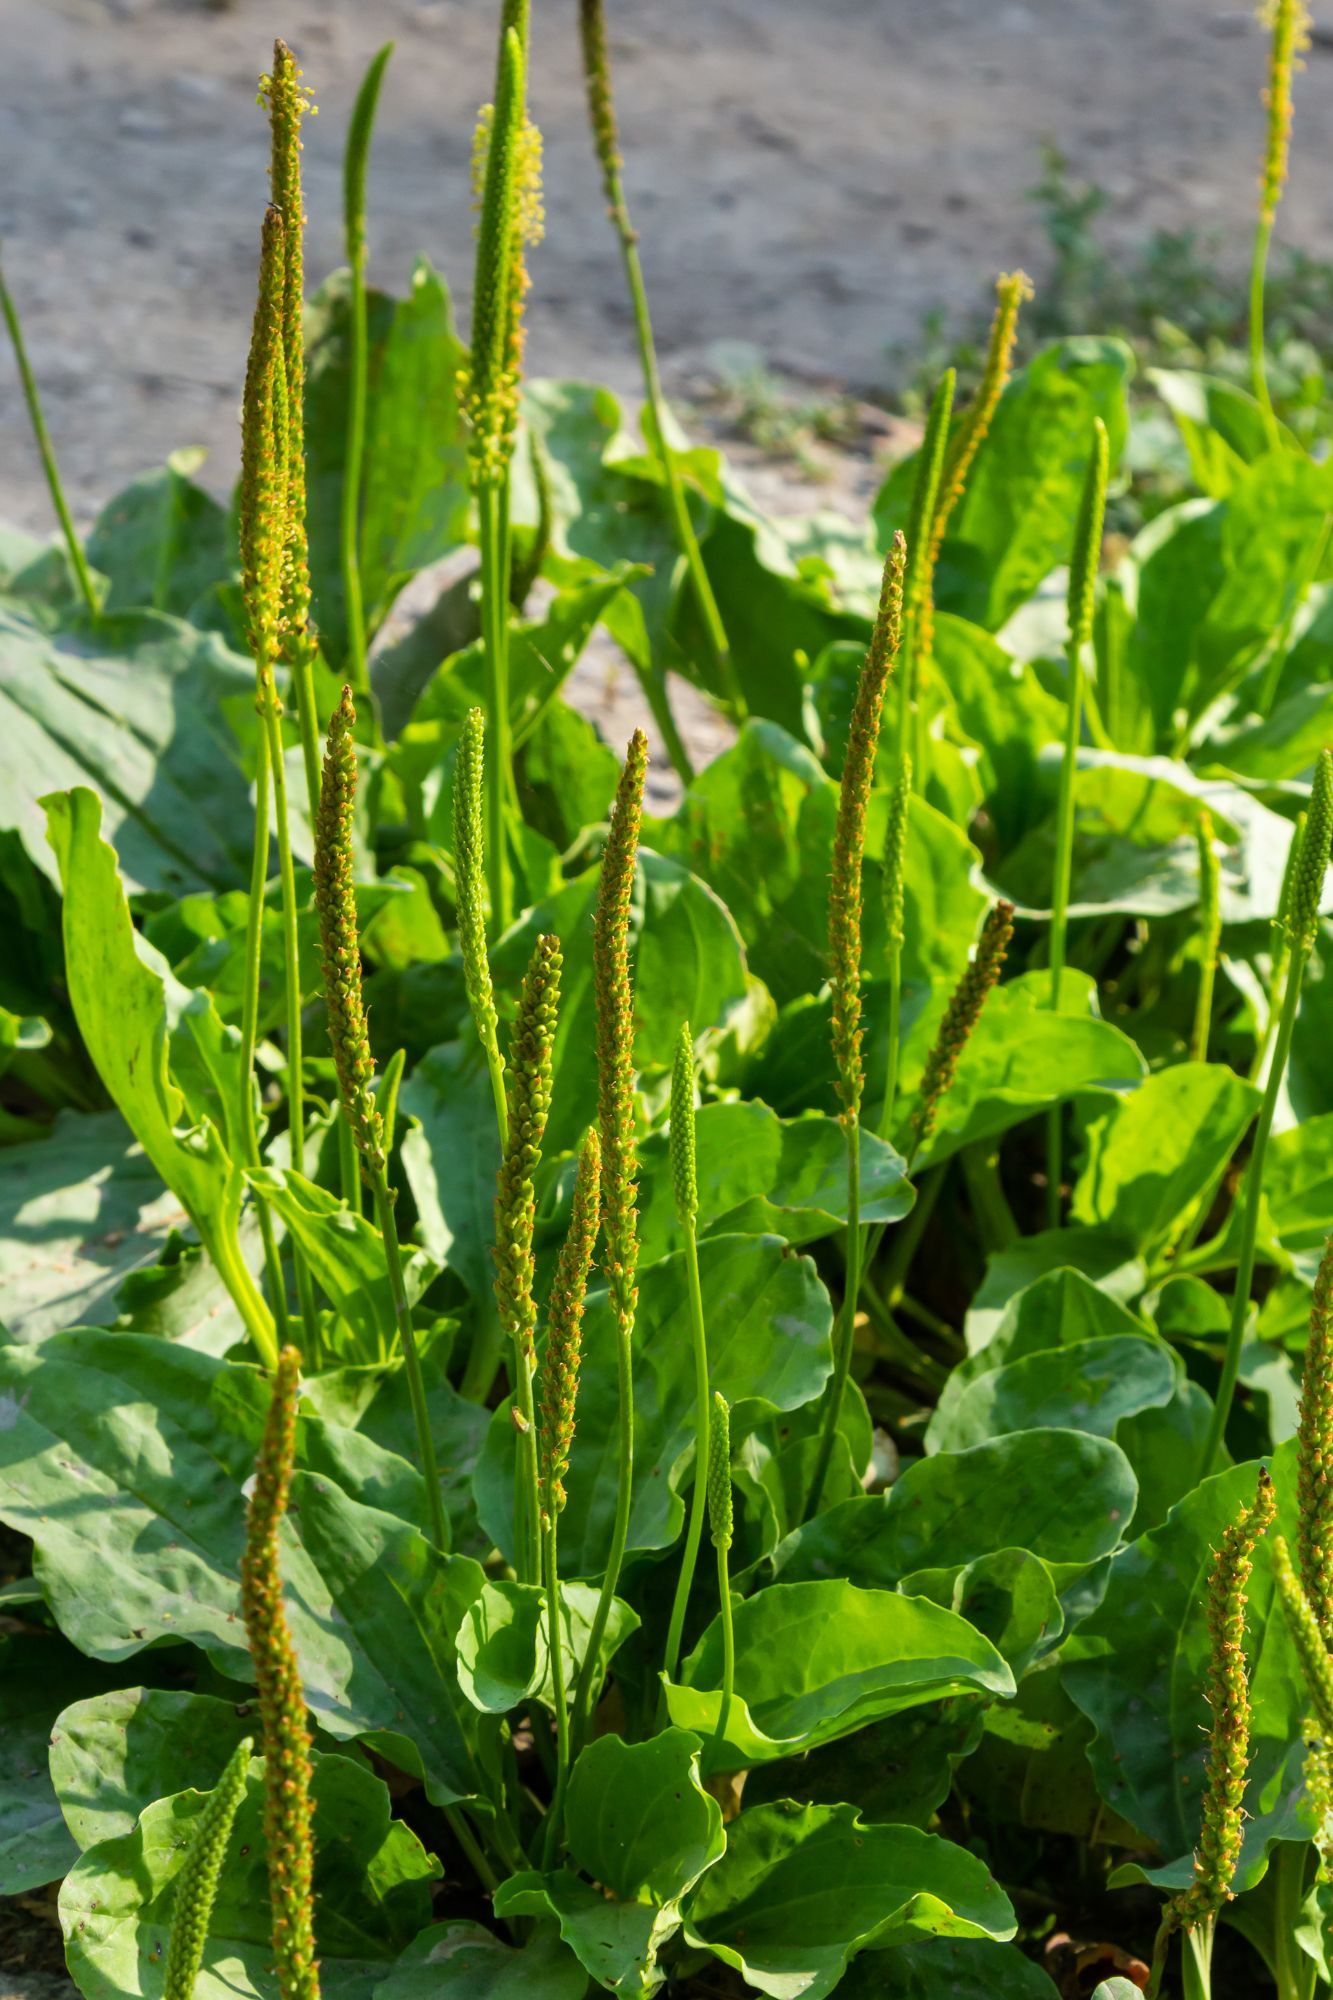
x,y
811,176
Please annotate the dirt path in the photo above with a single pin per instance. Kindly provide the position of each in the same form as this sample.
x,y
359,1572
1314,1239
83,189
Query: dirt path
x,y
809,175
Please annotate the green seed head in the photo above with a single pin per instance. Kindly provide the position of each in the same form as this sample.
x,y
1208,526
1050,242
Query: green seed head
x,y
1228,1692
288,1838
961,1017
615,1033
849,835
507,159
926,494
531,1048
895,855
340,947
289,103
1314,1451
1087,552
470,876
683,1171
197,1883
564,1329
263,490
1307,1638
1011,289
601,105
719,1473
1310,862
1289,21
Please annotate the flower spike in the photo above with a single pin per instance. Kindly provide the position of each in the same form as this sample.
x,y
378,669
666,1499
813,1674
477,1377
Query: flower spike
x,y
530,1054
1314,1452
335,901
288,1836
1228,1692
564,1335
960,1018
196,1891
684,1172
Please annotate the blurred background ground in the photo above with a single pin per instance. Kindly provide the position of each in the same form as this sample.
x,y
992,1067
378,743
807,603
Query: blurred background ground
x,y
830,183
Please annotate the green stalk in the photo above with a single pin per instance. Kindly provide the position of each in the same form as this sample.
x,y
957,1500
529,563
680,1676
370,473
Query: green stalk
x,y
720,1522
1082,586
919,578
1296,1972
1263,236
1196,1960
602,118
254,933
349,1172
1210,932
78,560
684,1176
1305,894
894,869
354,219
402,1312
1249,1233
305,1291
469,873
551,1572
699,1498
842,1361
495,649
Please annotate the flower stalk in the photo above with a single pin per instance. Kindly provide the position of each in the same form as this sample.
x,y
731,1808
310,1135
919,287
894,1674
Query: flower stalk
x,y
894,874
356,162
78,561
921,546
1083,567
720,1527
560,1387
1314,1453
606,143
349,1036
1288,22
960,1018
614,1001
288,1831
529,1104
1210,935
201,1871
1302,925
289,104
685,1183
469,894
858,773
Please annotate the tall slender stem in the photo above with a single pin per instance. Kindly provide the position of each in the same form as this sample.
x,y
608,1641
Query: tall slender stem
x,y
254,941
402,1312
728,1642
555,1642
619,1528
699,1498
354,222
1258,369
1296,1972
305,1291
495,645
1196,1960
1249,1230
78,560
842,1362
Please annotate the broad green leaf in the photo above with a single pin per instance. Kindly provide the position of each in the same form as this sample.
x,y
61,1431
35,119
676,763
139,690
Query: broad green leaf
x,y
951,1969
127,1006
141,710
815,1661
80,1208
1019,1057
345,1255
1016,520
1097,1253
769,1323
1137,1667
414,484
111,1754
1008,1595
764,1175
125,1458
640,1823
1002,706
451,1155
500,1645
464,1961
1065,1495
372,1895
1156,1153
1089,1385
162,542
1285,742
901,1769
802,1889
1223,426
39,1674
